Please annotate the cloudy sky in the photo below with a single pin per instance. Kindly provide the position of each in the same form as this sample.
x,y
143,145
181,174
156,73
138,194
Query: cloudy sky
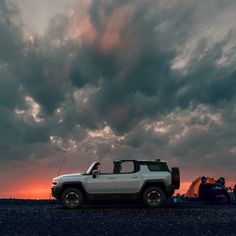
x,y
110,79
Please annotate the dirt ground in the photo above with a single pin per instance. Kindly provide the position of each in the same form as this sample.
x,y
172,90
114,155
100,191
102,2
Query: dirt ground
x,y
50,218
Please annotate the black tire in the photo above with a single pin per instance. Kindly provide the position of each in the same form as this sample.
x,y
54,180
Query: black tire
x,y
175,177
154,197
72,198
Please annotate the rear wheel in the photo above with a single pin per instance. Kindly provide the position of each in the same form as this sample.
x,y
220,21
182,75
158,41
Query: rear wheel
x,y
154,197
72,198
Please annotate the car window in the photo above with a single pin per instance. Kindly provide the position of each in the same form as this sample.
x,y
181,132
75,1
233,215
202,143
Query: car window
x,y
127,167
106,167
158,166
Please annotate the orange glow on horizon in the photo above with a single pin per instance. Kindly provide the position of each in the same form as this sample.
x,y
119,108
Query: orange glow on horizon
x,y
43,191
32,179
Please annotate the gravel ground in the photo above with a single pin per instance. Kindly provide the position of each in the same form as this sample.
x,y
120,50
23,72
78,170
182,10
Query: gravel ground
x,y
50,218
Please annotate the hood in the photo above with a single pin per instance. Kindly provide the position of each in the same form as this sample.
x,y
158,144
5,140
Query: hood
x,y
68,176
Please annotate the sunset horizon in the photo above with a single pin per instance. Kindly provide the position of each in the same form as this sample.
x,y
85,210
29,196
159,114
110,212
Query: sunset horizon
x,y
26,188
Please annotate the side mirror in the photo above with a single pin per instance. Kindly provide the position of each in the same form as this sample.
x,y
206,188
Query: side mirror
x,y
95,173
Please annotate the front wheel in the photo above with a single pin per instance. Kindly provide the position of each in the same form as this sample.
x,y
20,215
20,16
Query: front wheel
x,y
154,197
72,198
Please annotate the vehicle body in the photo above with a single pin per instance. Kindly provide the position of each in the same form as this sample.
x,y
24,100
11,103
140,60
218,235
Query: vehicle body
x,y
151,181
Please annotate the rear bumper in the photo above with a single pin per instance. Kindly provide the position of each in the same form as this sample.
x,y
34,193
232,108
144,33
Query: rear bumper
x,y
56,191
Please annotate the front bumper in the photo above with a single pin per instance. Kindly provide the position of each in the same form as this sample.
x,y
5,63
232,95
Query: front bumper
x,y
56,191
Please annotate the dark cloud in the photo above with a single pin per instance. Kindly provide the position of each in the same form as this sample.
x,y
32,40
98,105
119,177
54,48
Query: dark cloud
x,y
10,33
122,79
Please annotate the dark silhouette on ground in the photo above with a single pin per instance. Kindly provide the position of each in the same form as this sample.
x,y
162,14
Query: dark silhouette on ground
x,y
215,192
203,189
235,191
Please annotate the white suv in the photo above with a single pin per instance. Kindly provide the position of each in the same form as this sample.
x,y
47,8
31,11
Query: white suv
x,y
151,181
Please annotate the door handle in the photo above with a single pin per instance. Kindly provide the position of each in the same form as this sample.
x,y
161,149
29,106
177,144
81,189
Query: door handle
x,y
134,177
111,177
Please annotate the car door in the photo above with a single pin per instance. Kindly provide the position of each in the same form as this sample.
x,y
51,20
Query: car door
x,y
127,181
102,184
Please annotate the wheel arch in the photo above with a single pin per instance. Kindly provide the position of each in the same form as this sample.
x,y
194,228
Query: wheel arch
x,y
148,184
77,185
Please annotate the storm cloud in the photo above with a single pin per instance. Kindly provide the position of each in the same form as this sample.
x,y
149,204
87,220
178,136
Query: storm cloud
x,y
122,79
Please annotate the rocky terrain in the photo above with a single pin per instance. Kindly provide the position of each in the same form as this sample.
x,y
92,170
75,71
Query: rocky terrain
x,y
19,217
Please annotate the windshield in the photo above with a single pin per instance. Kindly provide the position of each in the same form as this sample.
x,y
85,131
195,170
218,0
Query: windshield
x,y
91,167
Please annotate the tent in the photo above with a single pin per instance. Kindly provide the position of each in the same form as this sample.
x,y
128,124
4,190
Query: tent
x,y
193,189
